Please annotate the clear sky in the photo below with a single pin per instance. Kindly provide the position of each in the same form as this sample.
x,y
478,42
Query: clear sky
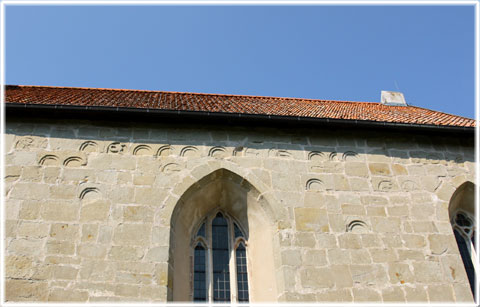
x,y
319,52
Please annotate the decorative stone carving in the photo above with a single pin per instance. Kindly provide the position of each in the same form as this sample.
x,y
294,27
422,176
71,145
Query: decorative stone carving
x,y
238,151
89,146
116,147
409,185
332,156
189,151
142,150
385,185
357,226
27,142
170,168
279,153
89,193
217,152
48,160
316,156
164,151
314,184
74,161
349,156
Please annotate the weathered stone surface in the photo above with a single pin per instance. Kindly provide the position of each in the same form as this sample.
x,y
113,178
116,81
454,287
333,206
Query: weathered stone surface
x,y
365,295
316,278
95,210
440,293
428,272
416,294
311,219
64,232
26,290
62,295
394,294
132,234
59,211
125,253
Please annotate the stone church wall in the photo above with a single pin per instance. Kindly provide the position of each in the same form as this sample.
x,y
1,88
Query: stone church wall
x,y
353,216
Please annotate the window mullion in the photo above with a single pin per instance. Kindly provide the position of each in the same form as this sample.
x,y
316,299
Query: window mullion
x,y
232,263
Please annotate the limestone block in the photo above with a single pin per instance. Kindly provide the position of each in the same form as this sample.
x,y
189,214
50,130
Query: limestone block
x,y
63,295
379,169
31,174
428,272
416,170
440,293
359,184
375,211
348,209
161,274
130,278
12,173
51,174
60,247
53,259
304,239
454,268
132,234
445,192
23,158
123,163
399,169
392,240
32,229
382,224
384,184
12,209
311,219
161,236
341,276
373,200
400,273
314,257
285,181
105,234
65,272
366,295
143,179
56,210
341,295
96,251
26,290
393,294
358,169
398,211
27,246
416,294
338,256
350,241
97,270
371,240
95,210
363,274
138,213
156,293
316,278
67,232
157,254
360,256
290,199
17,266
124,178
29,210
382,255
341,183
406,254
413,241
77,175
463,294
336,222
30,191
8,139
291,257
326,240
89,233
436,170
148,196
440,244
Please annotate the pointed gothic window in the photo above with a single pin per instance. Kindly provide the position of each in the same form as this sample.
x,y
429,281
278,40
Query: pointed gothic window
x,y
220,261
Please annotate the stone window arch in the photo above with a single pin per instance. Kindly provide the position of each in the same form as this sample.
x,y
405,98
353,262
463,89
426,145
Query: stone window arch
x,y
462,217
232,195
219,259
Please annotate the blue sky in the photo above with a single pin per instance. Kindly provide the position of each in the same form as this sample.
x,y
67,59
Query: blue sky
x,y
320,52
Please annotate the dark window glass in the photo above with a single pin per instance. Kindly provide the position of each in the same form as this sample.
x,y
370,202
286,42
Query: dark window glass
x,y
473,239
467,260
238,232
199,275
220,255
201,231
242,278
462,220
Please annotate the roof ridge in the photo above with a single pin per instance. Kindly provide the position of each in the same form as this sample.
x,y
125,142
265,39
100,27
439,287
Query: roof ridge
x,y
193,93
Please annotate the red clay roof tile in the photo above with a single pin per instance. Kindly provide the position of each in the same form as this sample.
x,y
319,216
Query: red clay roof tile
x,y
297,107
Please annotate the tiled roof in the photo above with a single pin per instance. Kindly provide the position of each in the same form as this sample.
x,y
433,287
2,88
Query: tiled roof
x,y
297,107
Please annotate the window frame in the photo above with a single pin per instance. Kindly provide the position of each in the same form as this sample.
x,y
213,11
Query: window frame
x,y
206,242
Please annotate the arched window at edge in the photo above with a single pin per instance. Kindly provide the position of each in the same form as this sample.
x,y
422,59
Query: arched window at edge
x,y
464,230
220,238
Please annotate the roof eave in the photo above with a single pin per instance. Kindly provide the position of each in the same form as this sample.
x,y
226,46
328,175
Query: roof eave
x,y
87,112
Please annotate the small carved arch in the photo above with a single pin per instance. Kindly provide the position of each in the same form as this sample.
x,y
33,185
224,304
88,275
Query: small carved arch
x,y
217,152
89,191
316,156
142,150
116,147
48,160
357,226
332,156
349,156
170,168
314,184
74,161
188,151
89,146
164,151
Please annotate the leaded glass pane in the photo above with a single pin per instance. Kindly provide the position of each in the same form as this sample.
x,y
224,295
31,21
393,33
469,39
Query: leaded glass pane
x,y
221,272
242,277
199,275
238,232
467,260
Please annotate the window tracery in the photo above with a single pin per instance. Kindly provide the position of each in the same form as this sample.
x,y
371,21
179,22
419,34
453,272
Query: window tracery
x,y
220,272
